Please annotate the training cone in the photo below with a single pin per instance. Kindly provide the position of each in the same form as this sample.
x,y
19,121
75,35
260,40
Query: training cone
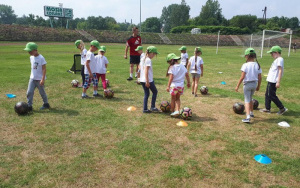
x,y
284,124
182,124
10,96
131,108
262,158
223,83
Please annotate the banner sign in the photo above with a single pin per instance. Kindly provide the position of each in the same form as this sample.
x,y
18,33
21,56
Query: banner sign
x,y
58,12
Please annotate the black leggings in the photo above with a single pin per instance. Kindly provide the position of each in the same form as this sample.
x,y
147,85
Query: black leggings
x,y
271,96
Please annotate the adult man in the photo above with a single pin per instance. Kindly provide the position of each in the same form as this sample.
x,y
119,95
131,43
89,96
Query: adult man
x,y
133,42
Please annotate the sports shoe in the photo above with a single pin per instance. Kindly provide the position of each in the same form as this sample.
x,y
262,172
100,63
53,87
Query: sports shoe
x,y
45,106
175,114
147,111
195,95
85,97
246,120
265,111
252,115
96,95
282,111
154,109
130,78
29,108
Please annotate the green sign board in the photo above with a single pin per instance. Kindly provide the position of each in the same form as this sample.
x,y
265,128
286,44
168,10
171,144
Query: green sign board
x,y
58,12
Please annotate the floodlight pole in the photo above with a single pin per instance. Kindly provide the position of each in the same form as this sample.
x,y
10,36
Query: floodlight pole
x,y
251,40
291,33
218,42
140,15
262,44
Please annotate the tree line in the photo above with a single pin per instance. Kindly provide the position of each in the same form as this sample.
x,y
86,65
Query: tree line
x,y
172,17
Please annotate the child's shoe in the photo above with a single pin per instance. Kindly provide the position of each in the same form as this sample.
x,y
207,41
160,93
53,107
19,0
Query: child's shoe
x,y
147,111
265,111
154,109
246,120
85,97
282,111
175,114
45,106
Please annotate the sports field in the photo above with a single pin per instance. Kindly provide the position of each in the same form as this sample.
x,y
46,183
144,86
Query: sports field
x,y
98,143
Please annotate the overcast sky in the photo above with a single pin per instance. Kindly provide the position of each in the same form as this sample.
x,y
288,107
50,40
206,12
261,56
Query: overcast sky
x,y
130,9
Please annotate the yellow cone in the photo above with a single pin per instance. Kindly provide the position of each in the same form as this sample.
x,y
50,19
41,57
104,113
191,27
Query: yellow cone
x,y
131,108
182,124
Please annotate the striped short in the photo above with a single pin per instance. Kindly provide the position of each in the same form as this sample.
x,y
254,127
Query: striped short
x,y
88,80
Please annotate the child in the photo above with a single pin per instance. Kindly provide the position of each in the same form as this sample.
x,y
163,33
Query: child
x,y
176,72
101,66
251,77
274,77
146,79
80,45
195,66
37,76
90,70
139,49
184,56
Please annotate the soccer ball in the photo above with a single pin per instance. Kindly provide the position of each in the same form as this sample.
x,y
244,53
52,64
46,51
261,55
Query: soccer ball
x,y
204,90
75,83
238,108
186,113
255,104
109,94
107,82
165,106
21,108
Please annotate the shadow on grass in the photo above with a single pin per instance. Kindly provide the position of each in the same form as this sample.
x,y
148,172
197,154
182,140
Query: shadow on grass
x,y
195,118
213,95
69,112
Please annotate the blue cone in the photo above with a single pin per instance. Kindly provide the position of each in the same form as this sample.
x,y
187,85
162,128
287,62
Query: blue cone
x,y
10,96
262,158
223,83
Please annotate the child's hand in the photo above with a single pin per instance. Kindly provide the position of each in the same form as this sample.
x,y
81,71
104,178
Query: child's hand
x,y
201,74
188,85
278,85
168,89
257,88
42,82
237,89
91,75
147,84
125,56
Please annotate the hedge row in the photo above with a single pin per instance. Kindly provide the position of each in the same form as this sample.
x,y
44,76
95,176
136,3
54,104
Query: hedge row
x,y
212,30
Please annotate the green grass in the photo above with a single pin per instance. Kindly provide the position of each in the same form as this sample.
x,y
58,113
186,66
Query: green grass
x,y
98,143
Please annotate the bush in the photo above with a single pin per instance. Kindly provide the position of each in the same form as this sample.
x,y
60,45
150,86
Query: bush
x,y
212,30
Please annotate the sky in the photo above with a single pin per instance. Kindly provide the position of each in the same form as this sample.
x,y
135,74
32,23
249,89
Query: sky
x,y
123,10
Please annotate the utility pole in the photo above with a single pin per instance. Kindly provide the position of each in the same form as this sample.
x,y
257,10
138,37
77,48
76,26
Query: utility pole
x,y
265,15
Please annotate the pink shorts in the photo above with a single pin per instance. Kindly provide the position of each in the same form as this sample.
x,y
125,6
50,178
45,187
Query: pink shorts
x,y
175,90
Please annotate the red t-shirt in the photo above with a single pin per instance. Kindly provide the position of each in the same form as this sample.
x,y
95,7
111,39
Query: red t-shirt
x,y
133,43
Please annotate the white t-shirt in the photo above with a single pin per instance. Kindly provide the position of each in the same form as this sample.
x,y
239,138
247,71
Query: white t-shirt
x,y
90,56
142,56
198,63
178,71
143,65
37,67
184,57
273,72
251,70
83,56
101,61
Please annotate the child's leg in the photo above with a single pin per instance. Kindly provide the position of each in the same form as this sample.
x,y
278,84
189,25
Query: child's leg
x,y
86,85
146,96
273,97
173,99
177,101
267,97
103,81
95,82
82,74
193,85
30,92
196,85
154,94
42,93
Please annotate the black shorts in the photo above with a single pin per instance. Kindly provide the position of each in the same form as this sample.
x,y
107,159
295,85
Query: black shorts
x,y
134,59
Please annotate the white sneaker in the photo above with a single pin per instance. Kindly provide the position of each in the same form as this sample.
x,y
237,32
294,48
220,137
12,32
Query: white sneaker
x,y
175,114
282,111
246,120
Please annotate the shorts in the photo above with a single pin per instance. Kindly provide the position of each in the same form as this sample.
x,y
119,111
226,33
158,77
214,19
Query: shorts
x,y
135,59
175,90
88,80
195,75
249,89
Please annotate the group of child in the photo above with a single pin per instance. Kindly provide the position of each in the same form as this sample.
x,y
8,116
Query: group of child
x,y
94,68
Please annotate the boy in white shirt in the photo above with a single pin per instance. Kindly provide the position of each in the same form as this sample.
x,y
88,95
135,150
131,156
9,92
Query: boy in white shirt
x,y
274,77
184,56
37,76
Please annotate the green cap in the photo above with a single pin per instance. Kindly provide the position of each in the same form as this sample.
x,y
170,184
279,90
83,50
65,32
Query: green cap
x,y
249,51
182,48
31,46
139,48
198,49
96,44
275,49
152,49
102,49
171,56
77,42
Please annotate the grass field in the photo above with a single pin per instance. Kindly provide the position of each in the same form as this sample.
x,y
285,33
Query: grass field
x,y
98,143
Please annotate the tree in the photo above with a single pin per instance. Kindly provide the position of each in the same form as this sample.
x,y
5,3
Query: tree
x,y
294,23
244,21
7,15
151,25
211,14
175,15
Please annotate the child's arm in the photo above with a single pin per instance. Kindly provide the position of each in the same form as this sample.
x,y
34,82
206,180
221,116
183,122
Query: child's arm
x,y
259,82
201,66
188,79
279,76
44,75
88,68
240,81
126,51
146,76
171,76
